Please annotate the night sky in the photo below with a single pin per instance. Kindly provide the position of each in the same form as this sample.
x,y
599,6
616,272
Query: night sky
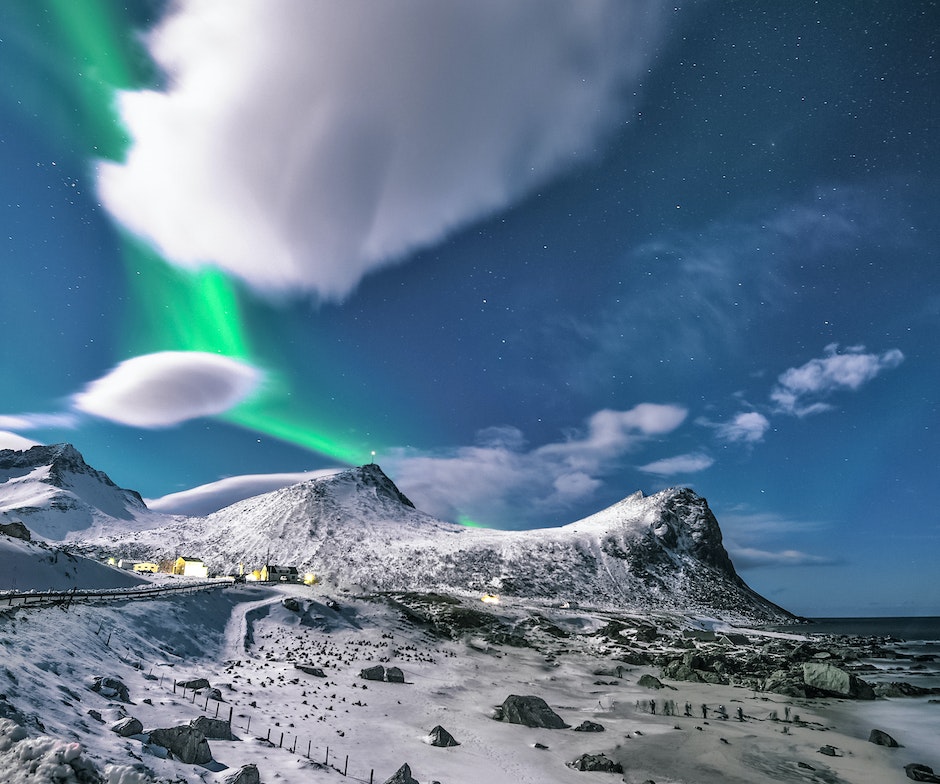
x,y
535,255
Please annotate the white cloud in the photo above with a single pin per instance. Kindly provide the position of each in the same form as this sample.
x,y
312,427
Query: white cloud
x,y
303,144
13,441
680,464
167,388
496,479
208,498
748,427
752,558
37,421
801,391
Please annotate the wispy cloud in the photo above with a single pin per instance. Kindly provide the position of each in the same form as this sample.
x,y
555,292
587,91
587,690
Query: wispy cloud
x,y
680,464
495,480
167,388
13,441
803,390
752,558
747,427
38,421
304,144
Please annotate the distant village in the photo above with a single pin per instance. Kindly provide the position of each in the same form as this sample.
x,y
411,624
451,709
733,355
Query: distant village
x,y
188,566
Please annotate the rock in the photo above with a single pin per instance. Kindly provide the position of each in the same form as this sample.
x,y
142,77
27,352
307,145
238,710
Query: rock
x,y
215,694
880,738
394,675
830,680
901,689
919,772
589,726
96,715
196,684
186,743
213,729
290,603
530,711
311,670
127,726
111,687
376,673
402,776
829,751
595,762
650,682
246,774
16,529
441,738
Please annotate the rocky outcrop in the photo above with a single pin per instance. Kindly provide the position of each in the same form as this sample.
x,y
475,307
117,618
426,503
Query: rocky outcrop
x,y
441,738
110,687
529,711
394,675
376,673
882,738
196,684
918,772
835,682
16,530
402,776
212,729
186,743
589,726
317,672
127,726
246,774
595,762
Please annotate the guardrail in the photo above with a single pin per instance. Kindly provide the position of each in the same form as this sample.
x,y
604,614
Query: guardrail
x,y
66,598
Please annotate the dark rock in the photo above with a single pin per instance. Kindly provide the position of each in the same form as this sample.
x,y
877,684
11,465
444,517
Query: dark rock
x,y
880,738
402,776
111,687
311,670
213,729
919,772
246,774
539,746
830,680
595,762
215,694
901,689
441,738
16,529
196,684
804,765
829,751
376,673
186,743
127,726
96,715
650,682
290,603
394,675
589,726
530,711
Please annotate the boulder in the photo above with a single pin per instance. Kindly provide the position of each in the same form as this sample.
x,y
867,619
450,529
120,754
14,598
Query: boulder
x,y
113,688
246,774
650,682
376,673
402,776
589,726
127,726
835,682
530,711
441,738
184,742
212,729
881,738
196,684
290,603
919,772
311,670
595,762
16,530
394,675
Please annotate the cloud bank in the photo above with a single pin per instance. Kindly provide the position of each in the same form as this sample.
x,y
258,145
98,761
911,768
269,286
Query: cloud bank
x,y
303,144
167,388
680,464
13,441
487,480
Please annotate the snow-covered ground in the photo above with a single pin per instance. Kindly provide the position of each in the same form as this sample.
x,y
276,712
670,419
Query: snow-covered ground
x,y
246,639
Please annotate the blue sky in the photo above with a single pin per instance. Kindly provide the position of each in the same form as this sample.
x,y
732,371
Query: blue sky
x,y
534,255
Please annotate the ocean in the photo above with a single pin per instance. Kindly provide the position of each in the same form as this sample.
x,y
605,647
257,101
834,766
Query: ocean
x,y
926,628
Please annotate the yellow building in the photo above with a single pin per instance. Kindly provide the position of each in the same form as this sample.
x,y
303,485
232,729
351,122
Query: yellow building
x,y
146,566
190,567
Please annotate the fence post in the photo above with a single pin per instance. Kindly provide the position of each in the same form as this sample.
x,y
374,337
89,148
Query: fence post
x,y
230,709
346,766
280,743
371,774
207,703
309,741
248,727
327,761
268,738
194,696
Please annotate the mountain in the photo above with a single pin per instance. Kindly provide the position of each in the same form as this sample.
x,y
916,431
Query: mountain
x,y
356,528
58,496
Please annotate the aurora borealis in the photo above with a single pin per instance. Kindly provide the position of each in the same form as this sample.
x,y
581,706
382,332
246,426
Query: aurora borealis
x,y
534,255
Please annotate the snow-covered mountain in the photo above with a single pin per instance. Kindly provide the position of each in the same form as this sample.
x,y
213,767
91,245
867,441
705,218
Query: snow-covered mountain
x,y
356,528
58,496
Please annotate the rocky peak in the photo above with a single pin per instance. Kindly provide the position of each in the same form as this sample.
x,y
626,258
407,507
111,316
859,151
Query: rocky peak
x,y
688,525
372,476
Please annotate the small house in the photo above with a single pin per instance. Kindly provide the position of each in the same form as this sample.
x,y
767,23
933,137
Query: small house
x,y
147,566
279,574
190,567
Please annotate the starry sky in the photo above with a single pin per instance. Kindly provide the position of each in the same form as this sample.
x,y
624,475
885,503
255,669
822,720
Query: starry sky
x,y
534,255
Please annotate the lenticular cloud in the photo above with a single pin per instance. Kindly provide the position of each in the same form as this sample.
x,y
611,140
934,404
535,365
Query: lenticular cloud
x,y
167,388
303,144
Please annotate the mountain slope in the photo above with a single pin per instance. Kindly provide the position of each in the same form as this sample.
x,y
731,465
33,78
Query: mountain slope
x,y
658,552
58,496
